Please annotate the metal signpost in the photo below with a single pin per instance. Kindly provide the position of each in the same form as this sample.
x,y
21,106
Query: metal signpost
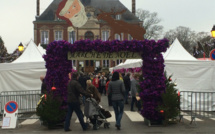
x,y
10,115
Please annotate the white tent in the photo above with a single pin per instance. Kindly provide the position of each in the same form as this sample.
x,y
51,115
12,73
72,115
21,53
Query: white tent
x,y
175,52
30,54
41,49
24,73
192,75
189,73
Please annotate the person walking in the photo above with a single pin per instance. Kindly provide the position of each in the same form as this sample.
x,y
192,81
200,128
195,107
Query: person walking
x,y
127,83
116,89
74,90
82,80
134,93
93,90
96,95
109,95
96,82
103,83
43,85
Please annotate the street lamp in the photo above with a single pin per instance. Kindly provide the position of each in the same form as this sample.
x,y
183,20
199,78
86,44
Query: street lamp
x,y
212,53
21,47
213,32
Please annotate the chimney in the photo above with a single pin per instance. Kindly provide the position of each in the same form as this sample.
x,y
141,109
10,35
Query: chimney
x,y
133,6
38,7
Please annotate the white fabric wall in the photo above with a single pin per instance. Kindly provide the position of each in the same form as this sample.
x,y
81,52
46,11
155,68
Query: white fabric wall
x,y
192,75
21,76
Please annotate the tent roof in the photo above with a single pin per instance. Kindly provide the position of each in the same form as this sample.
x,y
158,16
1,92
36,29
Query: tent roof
x,y
30,54
177,52
41,49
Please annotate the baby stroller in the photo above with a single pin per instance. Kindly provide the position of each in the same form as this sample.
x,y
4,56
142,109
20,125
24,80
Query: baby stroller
x,y
96,114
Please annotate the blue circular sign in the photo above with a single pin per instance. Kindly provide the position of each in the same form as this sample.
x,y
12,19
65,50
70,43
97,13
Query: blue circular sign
x,y
212,54
11,107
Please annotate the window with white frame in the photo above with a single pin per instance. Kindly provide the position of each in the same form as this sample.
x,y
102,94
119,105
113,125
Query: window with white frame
x,y
72,37
105,63
122,36
97,63
56,18
117,36
44,37
74,63
130,37
118,61
58,35
105,35
118,17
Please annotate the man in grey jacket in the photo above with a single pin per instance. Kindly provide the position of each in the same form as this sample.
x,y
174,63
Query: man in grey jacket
x,y
134,93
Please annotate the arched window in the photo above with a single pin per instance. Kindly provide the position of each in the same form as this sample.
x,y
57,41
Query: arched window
x,y
89,35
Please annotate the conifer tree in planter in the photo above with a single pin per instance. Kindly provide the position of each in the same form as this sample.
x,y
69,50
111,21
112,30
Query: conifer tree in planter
x,y
170,107
50,110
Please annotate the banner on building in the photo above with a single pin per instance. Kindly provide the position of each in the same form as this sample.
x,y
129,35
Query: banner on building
x,y
103,56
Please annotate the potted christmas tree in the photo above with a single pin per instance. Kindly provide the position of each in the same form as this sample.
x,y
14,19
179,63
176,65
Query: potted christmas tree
x,y
170,107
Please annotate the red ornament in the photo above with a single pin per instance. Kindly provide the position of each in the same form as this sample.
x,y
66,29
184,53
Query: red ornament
x,y
178,93
170,79
45,96
53,88
161,111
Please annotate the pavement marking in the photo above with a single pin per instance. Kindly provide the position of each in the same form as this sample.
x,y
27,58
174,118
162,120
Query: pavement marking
x,y
189,118
183,113
205,114
29,121
77,120
134,116
212,119
112,118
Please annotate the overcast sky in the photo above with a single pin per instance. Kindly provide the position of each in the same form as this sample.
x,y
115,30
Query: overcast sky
x,y
17,16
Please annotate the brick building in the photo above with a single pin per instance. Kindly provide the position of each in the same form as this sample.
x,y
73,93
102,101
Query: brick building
x,y
48,27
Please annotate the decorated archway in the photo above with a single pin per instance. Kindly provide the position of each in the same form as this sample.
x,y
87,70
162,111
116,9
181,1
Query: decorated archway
x,y
58,66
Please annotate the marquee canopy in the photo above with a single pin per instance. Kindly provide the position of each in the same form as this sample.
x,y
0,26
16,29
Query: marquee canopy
x,y
30,54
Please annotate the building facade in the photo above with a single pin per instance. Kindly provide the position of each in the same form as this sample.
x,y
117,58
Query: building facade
x,y
48,27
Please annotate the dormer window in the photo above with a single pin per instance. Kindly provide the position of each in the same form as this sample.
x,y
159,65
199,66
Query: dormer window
x,y
118,17
89,15
56,18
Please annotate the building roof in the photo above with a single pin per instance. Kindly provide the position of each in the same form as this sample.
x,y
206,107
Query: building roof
x,y
105,5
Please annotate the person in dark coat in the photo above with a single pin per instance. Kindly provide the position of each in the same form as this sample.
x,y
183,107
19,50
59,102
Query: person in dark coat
x,y
109,95
74,91
96,95
93,90
43,85
82,80
127,83
102,82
